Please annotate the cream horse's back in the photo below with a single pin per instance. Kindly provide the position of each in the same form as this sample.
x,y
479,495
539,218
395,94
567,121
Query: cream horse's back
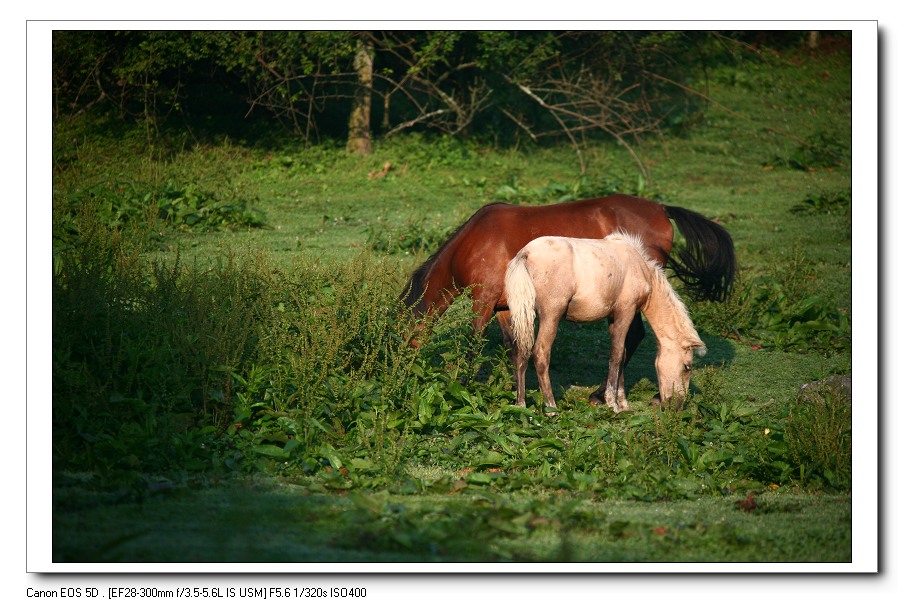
x,y
586,280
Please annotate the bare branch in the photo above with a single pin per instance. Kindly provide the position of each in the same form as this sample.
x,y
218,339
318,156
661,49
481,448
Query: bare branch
x,y
558,119
420,119
524,127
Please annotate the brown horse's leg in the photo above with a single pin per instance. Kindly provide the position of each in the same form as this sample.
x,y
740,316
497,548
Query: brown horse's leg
x,y
504,318
484,304
482,310
635,334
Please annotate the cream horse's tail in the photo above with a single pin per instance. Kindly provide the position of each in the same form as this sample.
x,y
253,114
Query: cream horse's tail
x,y
521,296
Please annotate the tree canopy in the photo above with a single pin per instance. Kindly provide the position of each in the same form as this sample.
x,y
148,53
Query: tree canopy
x,y
535,85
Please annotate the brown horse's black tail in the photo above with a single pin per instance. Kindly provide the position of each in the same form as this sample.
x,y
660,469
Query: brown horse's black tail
x,y
706,263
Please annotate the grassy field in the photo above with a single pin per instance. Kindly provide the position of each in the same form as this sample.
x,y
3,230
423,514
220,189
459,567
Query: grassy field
x,y
291,524
242,395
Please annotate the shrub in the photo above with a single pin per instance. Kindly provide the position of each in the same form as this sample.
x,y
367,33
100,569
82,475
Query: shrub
x,y
185,206
779,310
514,190
819,436
825,203
819,151
788,323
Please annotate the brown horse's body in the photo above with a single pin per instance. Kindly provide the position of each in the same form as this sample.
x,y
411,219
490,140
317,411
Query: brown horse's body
x,y
477,254
477,257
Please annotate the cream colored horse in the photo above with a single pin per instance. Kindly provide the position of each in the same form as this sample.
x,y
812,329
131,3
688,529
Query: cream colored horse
x,y
586,280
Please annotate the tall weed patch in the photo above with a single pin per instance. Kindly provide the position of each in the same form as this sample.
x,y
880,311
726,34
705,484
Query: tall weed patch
x,y
819,435
236,366
334,350
143,353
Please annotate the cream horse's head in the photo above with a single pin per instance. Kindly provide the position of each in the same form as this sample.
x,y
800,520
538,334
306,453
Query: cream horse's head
x,y
673,369
678,341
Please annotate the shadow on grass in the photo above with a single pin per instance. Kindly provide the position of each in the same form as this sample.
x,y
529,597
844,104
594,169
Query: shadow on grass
x,y
580,358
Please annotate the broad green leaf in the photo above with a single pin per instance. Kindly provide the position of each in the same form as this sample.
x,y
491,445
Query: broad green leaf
x,y
271,451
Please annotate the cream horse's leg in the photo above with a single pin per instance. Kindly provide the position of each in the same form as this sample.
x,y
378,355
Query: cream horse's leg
x,y
633,337
615,381
546,334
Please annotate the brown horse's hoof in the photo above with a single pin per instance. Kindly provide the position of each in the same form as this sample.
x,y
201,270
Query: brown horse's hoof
x,y
656,401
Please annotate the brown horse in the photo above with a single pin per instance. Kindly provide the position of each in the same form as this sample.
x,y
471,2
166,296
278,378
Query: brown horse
x,y
585,280
476,255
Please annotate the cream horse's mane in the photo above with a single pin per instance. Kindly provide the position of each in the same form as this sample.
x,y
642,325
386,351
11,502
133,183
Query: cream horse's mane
x,y
662,287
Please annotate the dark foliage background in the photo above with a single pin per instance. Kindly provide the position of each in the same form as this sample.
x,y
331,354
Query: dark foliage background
x,y
508,86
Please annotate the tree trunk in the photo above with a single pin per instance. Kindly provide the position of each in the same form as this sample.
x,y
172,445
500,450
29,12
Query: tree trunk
x,y
813,39
359,119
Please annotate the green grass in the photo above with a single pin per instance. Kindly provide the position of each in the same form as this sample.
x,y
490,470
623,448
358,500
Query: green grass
x,y
230,392
278,522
